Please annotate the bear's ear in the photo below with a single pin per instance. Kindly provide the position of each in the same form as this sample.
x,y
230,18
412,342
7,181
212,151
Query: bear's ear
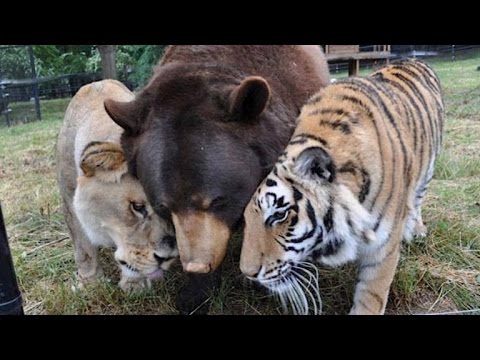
x,y
315,163
249,99
104,160
127,115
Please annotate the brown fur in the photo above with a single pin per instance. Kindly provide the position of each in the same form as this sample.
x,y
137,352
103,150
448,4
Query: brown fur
x,y
212,121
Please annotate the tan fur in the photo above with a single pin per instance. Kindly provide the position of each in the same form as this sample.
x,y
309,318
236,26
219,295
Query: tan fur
x,y
202,240
98,194
382,135
109,158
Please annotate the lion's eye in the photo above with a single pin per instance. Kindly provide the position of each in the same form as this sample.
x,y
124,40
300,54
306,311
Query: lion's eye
x,y
139,208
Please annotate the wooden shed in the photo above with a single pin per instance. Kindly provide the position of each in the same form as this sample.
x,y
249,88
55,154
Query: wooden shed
x,y
355,53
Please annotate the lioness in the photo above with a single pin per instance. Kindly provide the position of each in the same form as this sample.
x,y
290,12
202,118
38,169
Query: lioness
x,y
103,204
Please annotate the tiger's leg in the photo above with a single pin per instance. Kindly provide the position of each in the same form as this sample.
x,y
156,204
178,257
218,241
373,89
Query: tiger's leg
x,y
375,278
419,230
86,254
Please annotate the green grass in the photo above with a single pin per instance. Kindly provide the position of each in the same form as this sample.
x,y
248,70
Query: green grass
x,y
435,274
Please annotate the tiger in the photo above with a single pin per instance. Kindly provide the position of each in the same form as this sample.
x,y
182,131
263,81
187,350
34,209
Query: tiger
x,y
348,187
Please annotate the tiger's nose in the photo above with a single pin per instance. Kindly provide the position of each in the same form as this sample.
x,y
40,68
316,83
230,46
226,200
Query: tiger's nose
x,y
251,271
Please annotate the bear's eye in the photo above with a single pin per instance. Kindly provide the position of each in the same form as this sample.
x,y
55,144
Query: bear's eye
x,y
218,202
139,208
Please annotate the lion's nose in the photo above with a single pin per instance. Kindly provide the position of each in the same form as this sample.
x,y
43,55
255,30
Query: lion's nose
x,y
170,241
161,259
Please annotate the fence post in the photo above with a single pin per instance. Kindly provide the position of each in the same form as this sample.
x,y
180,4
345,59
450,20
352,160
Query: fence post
x,y
4,102
10,296
35,84
453,52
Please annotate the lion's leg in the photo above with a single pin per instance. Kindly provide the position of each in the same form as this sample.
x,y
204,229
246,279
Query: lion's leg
x,y
86,254
375,278
128,283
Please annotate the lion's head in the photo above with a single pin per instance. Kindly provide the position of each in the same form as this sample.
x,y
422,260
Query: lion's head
x,y
113,210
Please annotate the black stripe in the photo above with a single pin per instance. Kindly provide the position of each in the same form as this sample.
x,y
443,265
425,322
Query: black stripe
x,y
420,77
348,167
380,77
415,120
297,195
333,247
416,91
377,101
337,125
325,111
303,138
390,115
279,202
328,219
311,214
365,189
369,113
288,248
414,88
406,159
271,182
294,221
427,73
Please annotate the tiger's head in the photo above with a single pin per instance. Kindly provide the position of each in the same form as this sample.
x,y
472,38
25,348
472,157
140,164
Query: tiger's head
x,y
301,212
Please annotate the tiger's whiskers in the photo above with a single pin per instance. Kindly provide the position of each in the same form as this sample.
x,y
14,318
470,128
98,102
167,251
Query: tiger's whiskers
x,y
295,290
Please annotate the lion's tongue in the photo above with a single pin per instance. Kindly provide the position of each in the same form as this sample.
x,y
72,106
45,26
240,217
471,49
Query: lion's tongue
x,y
156,274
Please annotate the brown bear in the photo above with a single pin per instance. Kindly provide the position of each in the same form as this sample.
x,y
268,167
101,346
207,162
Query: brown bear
x,y
206,130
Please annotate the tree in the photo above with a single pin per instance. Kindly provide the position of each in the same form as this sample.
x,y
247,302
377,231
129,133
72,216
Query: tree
x,y
107,55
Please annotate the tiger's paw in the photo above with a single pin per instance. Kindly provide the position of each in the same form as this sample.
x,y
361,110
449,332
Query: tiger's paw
x,y
420,230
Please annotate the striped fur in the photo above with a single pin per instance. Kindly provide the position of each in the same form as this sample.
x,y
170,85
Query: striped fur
x,y
349,186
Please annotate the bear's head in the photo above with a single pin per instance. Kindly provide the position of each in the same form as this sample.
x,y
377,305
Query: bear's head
x,y
200,138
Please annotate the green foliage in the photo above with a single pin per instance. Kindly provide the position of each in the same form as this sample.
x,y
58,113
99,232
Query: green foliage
x,y
134,62
14,62
145,58
62,59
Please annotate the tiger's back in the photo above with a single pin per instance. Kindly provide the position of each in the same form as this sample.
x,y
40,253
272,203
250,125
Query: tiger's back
x,y
402,111
357,168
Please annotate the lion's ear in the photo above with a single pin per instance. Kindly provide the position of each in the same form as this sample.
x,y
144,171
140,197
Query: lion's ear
x,y
104,160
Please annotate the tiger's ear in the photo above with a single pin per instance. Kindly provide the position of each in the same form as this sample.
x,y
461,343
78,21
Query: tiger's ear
x,y
249,99
127,115
104,160
314,163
